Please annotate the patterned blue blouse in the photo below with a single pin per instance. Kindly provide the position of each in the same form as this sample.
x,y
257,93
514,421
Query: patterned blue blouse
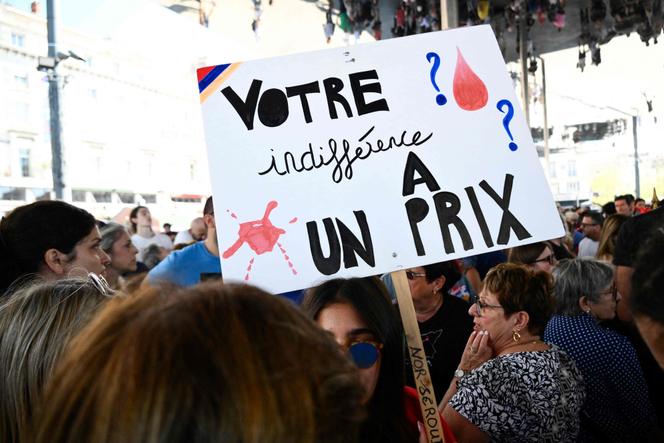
x,y
617,407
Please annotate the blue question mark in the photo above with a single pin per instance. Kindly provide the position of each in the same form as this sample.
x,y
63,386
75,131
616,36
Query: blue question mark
x,y
507,119
440,98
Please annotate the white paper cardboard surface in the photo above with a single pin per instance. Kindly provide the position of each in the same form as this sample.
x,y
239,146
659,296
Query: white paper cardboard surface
x,y
303,192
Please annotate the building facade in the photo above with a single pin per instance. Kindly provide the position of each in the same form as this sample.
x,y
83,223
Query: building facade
x,y
131,126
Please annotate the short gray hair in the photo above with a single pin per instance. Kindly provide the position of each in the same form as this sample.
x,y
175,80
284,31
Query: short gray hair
x,y
576,278
110,234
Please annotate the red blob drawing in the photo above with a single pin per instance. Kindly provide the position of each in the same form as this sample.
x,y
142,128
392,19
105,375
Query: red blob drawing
x,y
261,236
469,90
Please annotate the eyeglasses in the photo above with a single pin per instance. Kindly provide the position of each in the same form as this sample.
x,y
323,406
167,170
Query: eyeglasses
x,y
411,275
480,306
613,291
551,259
364,353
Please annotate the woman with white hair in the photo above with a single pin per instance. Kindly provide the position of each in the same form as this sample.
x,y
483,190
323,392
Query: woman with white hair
x,y
617,407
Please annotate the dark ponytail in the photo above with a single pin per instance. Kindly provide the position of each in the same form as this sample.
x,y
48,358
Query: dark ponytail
x,y
28,231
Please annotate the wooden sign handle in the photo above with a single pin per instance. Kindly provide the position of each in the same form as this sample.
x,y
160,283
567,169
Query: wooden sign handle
x,y
418,360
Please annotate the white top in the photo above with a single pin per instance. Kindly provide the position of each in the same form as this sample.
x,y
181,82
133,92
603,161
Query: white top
x,y
183,237
588,247
141,243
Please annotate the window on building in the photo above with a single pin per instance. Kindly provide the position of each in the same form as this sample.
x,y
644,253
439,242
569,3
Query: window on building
x,y
41,193
192,171
7,193
78,195
149,198
571,168
127,197
102,196
572,186
18,39
24,162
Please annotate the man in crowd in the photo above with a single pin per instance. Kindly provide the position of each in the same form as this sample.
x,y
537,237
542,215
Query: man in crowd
x,y
197,231
195,263
647,303
634,237
591,224
625,204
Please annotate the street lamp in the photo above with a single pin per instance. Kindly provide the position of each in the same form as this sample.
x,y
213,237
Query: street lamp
x,y
50,66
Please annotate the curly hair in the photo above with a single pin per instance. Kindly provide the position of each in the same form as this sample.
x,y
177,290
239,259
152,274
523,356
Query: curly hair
x,y
519,288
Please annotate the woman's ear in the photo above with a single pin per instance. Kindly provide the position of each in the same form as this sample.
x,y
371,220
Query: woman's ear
x,y
439,283
583,304
55,261
521,320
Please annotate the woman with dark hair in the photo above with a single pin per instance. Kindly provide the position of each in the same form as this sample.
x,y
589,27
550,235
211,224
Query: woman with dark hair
x,y
116,243
209,363
143,235
358,312
36,324
442,319
51,239
510,385
538,256
614,411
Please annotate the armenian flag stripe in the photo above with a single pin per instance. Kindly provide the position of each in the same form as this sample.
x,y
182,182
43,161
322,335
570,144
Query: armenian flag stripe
x,y
211,77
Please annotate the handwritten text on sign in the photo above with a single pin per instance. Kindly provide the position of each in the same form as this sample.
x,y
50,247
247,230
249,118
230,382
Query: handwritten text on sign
x,y
365,160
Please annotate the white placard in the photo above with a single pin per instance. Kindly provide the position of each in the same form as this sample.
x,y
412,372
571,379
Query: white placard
x,y
368,159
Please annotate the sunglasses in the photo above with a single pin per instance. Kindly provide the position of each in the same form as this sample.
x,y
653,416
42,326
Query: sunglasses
x,y
412,275
551,259
364,353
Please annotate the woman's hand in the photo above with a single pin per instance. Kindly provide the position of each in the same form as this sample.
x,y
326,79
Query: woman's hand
x,y
477,351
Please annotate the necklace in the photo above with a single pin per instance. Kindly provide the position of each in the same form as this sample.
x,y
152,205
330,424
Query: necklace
x,y
528,343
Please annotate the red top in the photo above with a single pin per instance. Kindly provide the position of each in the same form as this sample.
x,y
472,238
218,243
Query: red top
x,y
414,413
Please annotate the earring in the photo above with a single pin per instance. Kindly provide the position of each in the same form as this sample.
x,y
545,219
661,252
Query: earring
x,y
588,311
516,336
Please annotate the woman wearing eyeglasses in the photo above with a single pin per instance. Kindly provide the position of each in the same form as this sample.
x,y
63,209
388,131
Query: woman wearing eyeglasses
x,y
537,256
510,385
442,319
617,406
359,314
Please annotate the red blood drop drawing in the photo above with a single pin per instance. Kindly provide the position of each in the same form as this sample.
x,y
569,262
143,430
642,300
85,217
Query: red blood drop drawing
x,y
293,220
469,90
261,236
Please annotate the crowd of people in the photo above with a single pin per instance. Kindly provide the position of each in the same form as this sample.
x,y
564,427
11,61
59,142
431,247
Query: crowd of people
x,y
554,341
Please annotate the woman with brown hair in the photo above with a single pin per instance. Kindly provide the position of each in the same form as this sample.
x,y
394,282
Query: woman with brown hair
x,y
608,235
511,386
209,363
538,256
36,324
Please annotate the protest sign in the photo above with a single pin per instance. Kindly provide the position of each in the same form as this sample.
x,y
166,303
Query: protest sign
x,y
368,159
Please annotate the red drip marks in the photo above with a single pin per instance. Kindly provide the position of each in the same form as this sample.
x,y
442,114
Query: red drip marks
x,y
261,235
294,220
469,90
232,213
251,262
290,264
